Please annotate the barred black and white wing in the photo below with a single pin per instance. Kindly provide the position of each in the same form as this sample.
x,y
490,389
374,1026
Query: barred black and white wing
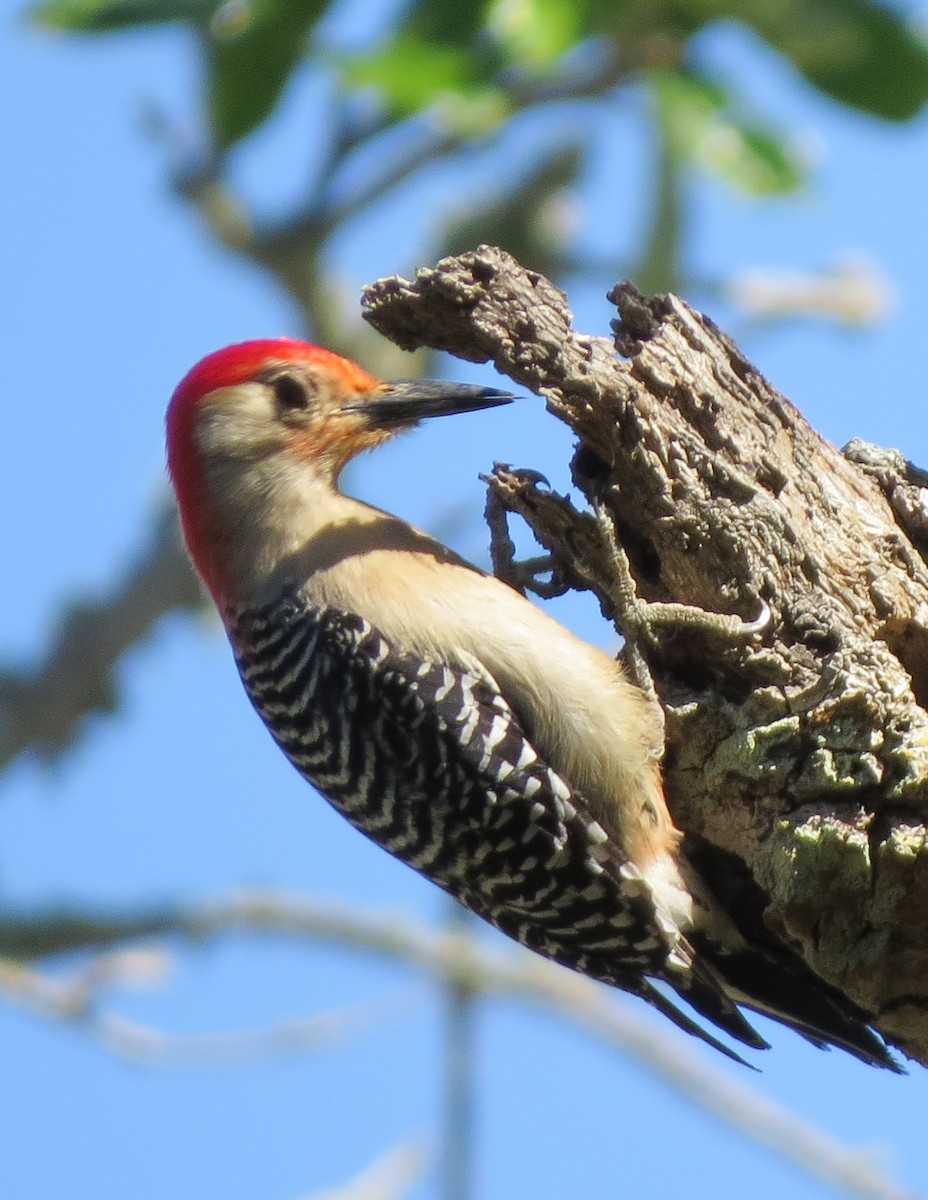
x,y
431,762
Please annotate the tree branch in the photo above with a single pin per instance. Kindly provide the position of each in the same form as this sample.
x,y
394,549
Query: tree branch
x,y
42,708
75,1000
797,760
390,1177
454,959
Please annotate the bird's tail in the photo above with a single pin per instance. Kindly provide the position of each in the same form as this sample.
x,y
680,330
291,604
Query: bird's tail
x,y
783,988
722,1014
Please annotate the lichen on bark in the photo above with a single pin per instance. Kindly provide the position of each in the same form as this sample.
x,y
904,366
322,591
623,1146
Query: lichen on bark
x,y
796,758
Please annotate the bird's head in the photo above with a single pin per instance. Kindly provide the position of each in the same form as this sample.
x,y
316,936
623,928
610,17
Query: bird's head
x,y
258,422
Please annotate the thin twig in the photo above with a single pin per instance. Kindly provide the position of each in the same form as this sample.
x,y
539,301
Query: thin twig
x,y
390,1177
75,1000
460,1086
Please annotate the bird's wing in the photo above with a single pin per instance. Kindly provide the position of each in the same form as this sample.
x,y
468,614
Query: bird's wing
x,y
430,760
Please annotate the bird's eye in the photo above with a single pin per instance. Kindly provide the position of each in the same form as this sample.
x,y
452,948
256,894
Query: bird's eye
x,y
292,392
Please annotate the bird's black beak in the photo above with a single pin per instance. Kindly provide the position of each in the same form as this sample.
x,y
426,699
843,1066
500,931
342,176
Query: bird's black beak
x,y
410,400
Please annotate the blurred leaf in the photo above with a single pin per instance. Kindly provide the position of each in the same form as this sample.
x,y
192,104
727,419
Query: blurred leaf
x,y
412,73
660,261
699,124
537,32
528,220
856,51
449,22
252,53
474,113
859,52
90,16
664,25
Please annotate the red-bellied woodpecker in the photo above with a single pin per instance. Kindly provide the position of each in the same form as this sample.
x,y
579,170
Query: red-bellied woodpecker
x,y
442,713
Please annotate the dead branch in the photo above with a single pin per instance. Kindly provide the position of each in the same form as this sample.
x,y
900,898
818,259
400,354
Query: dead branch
x,y
796,757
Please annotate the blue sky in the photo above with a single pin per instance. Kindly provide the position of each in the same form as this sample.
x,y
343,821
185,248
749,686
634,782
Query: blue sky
x,y
111,294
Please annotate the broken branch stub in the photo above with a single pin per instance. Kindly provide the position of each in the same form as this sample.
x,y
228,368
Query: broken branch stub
x,y
796,758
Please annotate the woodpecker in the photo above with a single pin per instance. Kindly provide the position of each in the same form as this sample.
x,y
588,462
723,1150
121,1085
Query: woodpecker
x,y
441,712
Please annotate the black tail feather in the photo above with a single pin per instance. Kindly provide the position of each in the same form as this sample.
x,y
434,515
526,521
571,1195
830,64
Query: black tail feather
x,y
641,987
702,988
788,991
793,994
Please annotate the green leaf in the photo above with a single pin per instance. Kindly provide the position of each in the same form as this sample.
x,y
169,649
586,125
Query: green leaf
x,y
535,33
99,16
701,122
451,22
859,52
665,24
856,51
250,61
413,73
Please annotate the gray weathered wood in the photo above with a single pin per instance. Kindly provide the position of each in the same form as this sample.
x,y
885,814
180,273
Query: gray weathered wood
x,y
796,757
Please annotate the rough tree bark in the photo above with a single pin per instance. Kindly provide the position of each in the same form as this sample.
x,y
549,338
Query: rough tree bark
x,y
797,755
